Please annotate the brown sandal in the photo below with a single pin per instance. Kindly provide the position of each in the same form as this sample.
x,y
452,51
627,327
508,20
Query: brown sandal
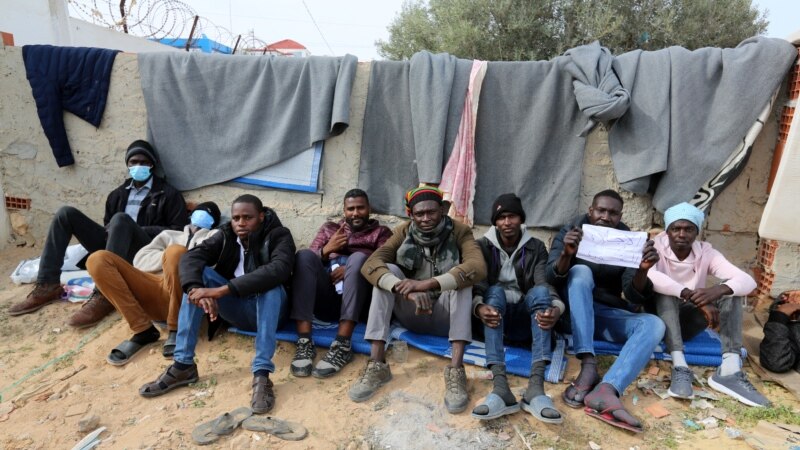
x,y
263,395
169,380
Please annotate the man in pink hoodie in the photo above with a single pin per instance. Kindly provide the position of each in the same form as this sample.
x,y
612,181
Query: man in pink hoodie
x,y
679,280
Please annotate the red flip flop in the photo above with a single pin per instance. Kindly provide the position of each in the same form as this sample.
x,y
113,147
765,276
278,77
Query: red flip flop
x,y
607,416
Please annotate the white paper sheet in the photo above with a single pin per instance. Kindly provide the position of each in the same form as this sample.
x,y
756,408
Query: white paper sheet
x,y
603,245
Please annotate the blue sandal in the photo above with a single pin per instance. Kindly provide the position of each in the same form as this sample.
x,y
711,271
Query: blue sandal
x,y
539,404
497,408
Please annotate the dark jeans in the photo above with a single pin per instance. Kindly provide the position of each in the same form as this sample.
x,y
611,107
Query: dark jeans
x,y
313,294
123,238
730,322
518,323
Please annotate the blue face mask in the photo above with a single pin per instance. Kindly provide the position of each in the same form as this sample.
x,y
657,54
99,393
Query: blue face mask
x,y
202,219
139,173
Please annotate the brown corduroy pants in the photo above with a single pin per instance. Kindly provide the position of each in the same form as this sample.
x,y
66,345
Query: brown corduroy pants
x,y
140,297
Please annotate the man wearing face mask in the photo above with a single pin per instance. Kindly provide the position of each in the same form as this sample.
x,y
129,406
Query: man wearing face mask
x,y
335,256
150,289
138,210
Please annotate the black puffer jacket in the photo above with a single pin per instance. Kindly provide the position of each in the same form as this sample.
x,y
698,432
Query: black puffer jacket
x,y
609,281
268,260
163,208
780,348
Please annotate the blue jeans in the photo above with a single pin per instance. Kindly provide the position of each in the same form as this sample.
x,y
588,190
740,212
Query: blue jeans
x,y
640,333
518,323
260,313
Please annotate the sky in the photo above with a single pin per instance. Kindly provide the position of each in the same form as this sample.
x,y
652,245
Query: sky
x,y
344,26
353,26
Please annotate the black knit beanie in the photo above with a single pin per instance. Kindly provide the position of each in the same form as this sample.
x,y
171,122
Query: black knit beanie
x,y
507,203
211,208
140,147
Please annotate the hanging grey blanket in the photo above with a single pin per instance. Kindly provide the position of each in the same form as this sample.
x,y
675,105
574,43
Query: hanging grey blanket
x,y
598,91
689,111
411,120
526,139
213,118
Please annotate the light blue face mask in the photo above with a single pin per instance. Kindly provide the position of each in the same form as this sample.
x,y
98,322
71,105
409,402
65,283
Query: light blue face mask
x,y
202,219
139,173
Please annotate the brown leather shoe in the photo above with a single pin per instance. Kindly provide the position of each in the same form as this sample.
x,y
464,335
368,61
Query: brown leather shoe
x,y
93,311
41,295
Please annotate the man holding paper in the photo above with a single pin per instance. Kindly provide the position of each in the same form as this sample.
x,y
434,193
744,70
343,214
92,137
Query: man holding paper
x,y
598,311
679,280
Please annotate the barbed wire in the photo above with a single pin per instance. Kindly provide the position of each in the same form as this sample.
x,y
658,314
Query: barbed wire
x,y
159,20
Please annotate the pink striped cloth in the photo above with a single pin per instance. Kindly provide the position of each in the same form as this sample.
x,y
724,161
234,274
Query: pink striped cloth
x,y
458,178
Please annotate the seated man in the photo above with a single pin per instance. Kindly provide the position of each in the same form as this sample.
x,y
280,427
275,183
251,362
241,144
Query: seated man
x,y
252,259
135,213
515,301
335,256
679,278
424,275
780,349
597,311
150,288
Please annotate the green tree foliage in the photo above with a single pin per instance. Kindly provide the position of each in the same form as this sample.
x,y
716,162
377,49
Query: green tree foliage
x,y
518,30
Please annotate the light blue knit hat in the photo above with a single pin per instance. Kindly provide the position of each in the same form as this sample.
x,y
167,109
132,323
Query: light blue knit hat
x,y
684,211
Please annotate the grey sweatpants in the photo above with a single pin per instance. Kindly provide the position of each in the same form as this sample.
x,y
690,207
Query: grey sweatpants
x,y
730,322
450,317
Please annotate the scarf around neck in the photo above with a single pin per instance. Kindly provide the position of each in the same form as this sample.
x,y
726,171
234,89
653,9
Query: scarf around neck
x,y
441,241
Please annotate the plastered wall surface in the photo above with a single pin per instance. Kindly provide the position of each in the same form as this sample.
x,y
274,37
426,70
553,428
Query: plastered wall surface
x,y
27,168
786,267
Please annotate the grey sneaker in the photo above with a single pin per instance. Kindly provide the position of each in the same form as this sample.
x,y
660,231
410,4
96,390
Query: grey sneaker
x,y
375,375
456,397
738,387
337,357
681,384
303,358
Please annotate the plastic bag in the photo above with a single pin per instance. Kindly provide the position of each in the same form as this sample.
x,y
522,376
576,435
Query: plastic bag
x,y
74,255
28,269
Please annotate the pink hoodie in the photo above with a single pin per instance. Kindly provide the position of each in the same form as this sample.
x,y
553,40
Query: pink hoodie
x,y
670,275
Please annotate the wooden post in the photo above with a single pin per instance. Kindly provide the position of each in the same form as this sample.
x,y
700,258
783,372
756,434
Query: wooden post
x,y
236,45
191,33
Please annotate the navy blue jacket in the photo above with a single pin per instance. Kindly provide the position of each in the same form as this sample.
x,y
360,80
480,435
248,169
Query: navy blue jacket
x,y
74,79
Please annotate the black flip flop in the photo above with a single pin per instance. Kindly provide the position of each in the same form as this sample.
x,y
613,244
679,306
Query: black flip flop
x,y
123,353
168,350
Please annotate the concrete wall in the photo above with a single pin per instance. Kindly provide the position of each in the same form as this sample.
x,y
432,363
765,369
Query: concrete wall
x,y
27,167
48,22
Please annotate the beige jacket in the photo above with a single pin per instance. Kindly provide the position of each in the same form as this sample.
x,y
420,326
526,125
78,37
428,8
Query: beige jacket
x,y
148,259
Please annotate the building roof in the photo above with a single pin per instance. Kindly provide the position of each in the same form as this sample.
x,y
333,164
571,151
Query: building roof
x,y
286,44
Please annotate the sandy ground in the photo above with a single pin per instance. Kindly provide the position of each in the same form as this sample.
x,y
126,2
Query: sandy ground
x,y
39,357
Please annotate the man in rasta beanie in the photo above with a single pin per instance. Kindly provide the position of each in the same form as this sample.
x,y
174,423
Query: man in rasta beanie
x,y
423,276
517,302
135,213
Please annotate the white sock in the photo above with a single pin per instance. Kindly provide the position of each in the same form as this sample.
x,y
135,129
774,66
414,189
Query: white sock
x,y
678,360
731,363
